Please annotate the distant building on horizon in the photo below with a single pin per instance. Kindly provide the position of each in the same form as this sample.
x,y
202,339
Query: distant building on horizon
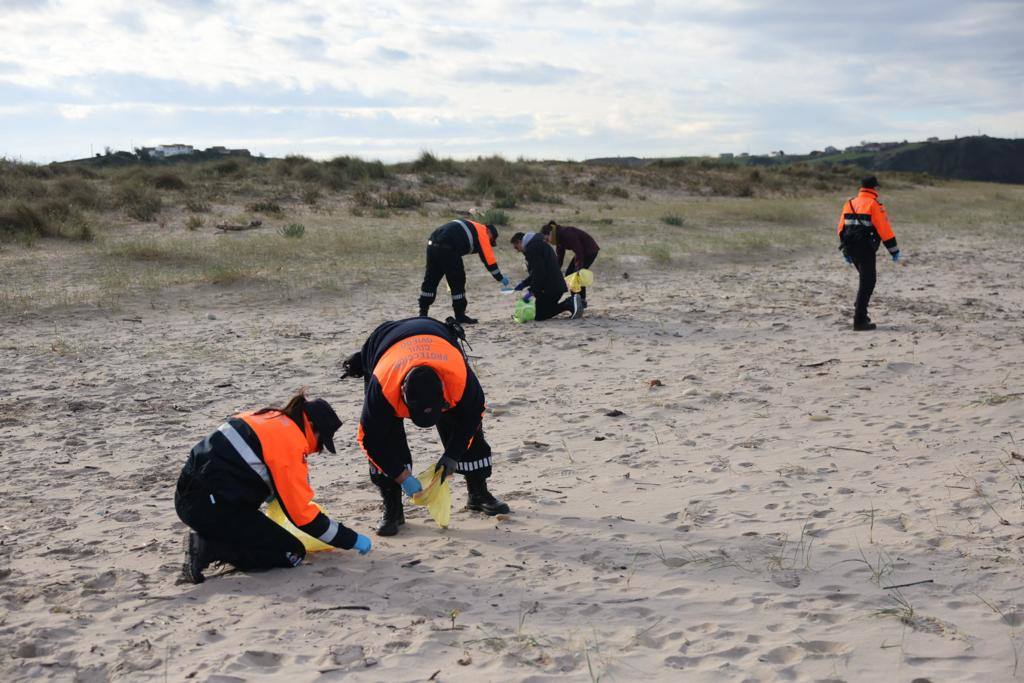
x,y
173,150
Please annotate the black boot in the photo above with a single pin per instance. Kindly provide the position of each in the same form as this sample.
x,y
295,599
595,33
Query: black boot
x,y
197,558
864,325
465,319
394,513
480,499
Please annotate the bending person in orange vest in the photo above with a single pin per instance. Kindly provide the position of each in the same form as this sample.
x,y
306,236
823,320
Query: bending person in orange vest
x,y
863,225
415,369
445,249
249,459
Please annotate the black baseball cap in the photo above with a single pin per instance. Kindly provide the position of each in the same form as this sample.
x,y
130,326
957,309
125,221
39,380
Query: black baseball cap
x,y
324,420
424,395
869,182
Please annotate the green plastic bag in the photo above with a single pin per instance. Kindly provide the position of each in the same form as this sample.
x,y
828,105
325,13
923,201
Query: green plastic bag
x,y
525,311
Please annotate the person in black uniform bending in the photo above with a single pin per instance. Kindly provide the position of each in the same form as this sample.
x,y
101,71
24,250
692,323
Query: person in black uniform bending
x,y
445,249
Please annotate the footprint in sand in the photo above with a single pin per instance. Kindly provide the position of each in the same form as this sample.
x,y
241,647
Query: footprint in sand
x,y
784,655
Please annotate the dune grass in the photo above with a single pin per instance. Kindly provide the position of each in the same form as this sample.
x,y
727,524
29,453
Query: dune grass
x,y
139,229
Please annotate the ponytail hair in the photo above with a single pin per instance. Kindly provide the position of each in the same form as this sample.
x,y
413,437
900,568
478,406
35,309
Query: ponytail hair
x,y
295,408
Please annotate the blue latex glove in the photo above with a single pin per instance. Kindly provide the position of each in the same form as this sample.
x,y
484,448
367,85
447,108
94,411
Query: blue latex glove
x,y
504,281
896,256
527,296
363,544
411,485
848,259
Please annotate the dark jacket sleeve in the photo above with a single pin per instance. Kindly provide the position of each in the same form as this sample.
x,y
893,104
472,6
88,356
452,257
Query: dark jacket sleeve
x,y
467,415
545,275
382,434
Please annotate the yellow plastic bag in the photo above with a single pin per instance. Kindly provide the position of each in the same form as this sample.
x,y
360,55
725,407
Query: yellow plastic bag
x,y
276,514
580,279
437,497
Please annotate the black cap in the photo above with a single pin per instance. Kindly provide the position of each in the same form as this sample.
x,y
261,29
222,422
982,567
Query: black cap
x,y
324,420
424,395
869,182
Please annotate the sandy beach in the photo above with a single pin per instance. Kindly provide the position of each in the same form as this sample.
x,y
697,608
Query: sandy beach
x,y
712,479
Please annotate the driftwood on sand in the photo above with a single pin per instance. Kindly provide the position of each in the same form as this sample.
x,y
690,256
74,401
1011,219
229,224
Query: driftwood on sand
x,y
227,227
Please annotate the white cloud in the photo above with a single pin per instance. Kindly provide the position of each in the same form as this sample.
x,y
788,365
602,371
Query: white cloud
x,y
696,77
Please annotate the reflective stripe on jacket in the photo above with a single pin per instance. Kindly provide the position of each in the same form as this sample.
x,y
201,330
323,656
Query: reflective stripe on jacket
x,y
866,211
468,237
256,456
392,350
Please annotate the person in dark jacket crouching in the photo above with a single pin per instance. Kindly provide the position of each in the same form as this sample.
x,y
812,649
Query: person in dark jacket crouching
x,y
544,280
251,458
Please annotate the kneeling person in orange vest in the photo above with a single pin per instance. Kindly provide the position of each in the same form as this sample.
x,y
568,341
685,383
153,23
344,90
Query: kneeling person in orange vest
x,y
415,369
249,459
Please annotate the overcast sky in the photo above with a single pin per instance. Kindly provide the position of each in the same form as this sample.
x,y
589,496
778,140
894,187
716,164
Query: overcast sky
x,y
561,79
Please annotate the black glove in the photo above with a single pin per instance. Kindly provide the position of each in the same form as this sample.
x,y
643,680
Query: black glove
x,y
447,465
353,366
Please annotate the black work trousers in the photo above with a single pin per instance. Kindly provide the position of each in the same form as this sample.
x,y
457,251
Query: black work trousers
x,y
474,463
863,254
587,262
241,536
549,306
446,263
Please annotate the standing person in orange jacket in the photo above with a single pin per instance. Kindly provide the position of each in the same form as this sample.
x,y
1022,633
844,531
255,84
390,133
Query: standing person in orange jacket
x,y
445,249
251,458
415,369
863,225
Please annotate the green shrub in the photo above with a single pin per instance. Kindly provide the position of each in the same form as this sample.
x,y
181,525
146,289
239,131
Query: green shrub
x,y
53,219
227,167
293,230
342,172
267,207
505,203
167,181
311,195
494,217
659,254
399,199
21,220
79,192
428,163
138,201
620,192
364,199
197,205
193,222
310,172
673,219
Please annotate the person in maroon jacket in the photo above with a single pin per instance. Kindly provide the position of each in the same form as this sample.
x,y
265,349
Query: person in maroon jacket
x,y
583,247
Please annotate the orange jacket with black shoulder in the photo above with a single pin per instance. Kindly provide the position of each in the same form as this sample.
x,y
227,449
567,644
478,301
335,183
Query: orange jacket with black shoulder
x,y
468,237
865,212
256,456
390,352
